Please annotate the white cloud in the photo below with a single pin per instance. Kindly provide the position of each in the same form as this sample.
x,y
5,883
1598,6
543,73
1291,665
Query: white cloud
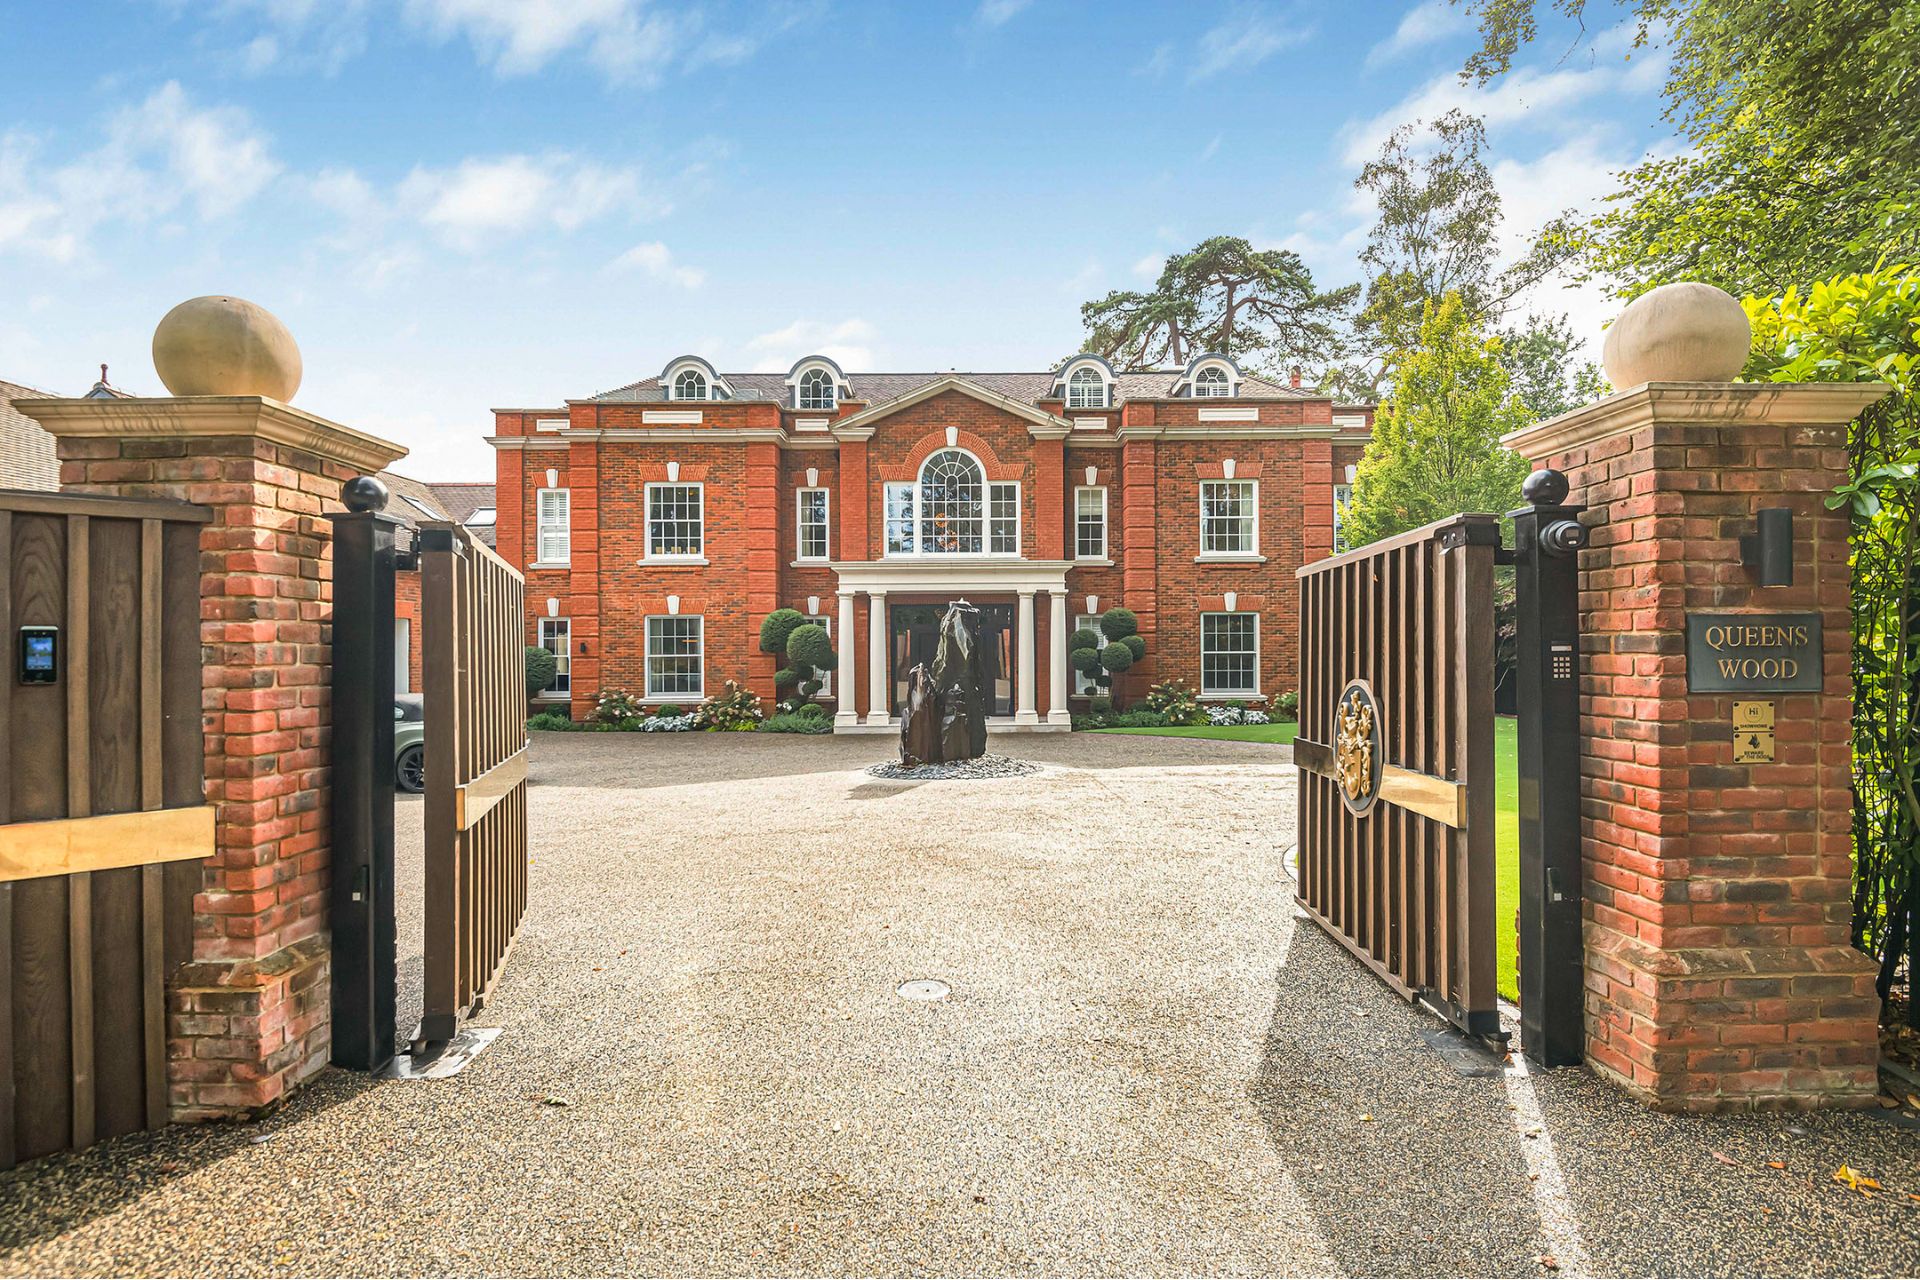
x,y
654,259
1244,39
848,343
158,157
299,35
483,199
1149,267
993,13
1526,95
1426,23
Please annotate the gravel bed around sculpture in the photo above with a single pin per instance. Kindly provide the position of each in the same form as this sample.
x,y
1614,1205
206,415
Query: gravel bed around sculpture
x,y
978,767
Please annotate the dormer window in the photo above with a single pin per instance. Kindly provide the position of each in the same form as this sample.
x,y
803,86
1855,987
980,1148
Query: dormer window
x,y
1086,389
1212,381
690,385
816,390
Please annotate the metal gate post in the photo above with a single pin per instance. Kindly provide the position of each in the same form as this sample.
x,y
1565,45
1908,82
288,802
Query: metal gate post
x,y
1547,535
365,966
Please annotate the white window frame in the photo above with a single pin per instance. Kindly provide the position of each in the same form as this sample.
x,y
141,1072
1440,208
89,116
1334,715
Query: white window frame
x,y
826,677
474,521
800,396
800,524
1207,692
1083,684
679,379
1342,499
552,631
555,535
647,656
1252,553
551,424
1102,491
1201,379
915,504
690,557
1076,400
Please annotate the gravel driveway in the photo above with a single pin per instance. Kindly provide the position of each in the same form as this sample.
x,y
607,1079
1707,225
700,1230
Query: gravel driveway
x,y
1146,1065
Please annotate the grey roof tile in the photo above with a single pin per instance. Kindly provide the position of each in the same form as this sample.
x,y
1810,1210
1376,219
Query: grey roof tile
x,y
880,388
28,459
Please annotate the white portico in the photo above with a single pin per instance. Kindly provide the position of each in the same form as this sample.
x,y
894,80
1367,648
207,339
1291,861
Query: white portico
x,y
900,586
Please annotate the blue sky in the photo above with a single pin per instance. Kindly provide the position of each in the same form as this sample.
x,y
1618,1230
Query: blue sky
x,y
461,204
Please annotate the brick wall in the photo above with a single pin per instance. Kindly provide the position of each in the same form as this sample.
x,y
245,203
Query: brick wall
x,y
1719,970
406,604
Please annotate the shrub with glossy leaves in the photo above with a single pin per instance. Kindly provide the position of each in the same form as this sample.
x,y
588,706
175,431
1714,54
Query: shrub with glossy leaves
x,y
542,667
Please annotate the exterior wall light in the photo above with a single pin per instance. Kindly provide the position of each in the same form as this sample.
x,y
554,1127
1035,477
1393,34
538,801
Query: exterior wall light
x,y
1768,552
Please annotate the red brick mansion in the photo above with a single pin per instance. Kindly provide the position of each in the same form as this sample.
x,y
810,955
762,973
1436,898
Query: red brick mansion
x,y
660,522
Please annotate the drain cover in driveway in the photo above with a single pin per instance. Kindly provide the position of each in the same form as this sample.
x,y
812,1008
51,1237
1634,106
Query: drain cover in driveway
x,y
923,989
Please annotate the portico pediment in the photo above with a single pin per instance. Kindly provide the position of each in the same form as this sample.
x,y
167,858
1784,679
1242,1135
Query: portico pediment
x,y
1040,424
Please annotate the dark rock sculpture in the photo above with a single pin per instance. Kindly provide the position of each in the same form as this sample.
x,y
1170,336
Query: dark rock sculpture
x,y
945,717
920,720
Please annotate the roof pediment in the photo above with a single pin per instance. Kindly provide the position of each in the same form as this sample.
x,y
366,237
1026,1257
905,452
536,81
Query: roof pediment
x,y
1039,422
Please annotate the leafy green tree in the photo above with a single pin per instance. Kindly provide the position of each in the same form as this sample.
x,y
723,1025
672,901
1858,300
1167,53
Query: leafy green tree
x,y
1803,140
1543,365
542,667
1259,307
808,652
1437,233
1436,449
1866,328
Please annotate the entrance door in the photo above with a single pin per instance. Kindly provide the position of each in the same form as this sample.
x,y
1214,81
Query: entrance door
x,y
914,631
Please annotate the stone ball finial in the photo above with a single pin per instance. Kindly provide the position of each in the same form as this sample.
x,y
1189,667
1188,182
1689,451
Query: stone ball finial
x,y
1682,332
1544,488
224,346
364,493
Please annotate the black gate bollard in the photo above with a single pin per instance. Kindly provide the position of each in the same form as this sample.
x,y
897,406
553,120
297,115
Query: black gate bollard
x,y
1547,536
361,905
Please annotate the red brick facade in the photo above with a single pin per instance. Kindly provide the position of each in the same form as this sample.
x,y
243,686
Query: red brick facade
x,y
753,453
1719,970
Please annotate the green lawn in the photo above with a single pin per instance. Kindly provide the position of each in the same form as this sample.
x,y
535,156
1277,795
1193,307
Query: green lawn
x,y
1506,763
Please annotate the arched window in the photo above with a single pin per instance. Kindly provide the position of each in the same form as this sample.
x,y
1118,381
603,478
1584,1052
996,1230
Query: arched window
x,y
953,510
690,385
1086,389
953,505
816,390
1212,381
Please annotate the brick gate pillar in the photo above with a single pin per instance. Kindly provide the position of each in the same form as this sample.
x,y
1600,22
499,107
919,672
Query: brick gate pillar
x,y
248,1019
1718,967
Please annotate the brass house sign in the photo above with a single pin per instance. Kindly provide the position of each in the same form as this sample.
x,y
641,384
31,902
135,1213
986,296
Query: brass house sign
x,y
1753,653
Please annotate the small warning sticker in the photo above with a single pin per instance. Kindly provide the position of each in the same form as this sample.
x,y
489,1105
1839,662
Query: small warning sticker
x,y
1752,746
1753,715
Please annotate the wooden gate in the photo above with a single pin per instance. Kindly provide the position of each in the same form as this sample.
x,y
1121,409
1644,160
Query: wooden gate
x,y
473,677
1396,821
103,820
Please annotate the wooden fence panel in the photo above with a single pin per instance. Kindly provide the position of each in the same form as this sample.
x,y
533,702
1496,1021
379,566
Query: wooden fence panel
x,y
475,702
1396,812
103,824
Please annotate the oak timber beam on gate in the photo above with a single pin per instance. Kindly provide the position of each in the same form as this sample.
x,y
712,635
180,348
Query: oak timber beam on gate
x,y
473,800
105,842
1422,793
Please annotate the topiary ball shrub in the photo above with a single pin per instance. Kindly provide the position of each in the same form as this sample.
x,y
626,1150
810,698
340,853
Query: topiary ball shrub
x,y
1135,646
809,644
1118,623
784,677
777,626
812,711
541,669
1116,657
1084,638
1086,661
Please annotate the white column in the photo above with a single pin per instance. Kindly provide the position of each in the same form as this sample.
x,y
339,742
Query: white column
x,y
843,677
1024,712
877,699
1057,679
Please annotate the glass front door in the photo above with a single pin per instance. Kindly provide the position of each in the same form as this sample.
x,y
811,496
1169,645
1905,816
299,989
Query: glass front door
x,y
914,634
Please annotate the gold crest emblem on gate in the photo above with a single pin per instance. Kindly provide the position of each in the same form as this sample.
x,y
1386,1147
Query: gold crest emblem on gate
x,y
1356,746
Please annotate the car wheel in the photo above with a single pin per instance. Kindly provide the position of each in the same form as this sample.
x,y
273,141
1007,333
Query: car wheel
x,y
410,770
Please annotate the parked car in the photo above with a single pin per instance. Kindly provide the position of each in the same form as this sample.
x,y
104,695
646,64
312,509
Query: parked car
x,y
409,744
